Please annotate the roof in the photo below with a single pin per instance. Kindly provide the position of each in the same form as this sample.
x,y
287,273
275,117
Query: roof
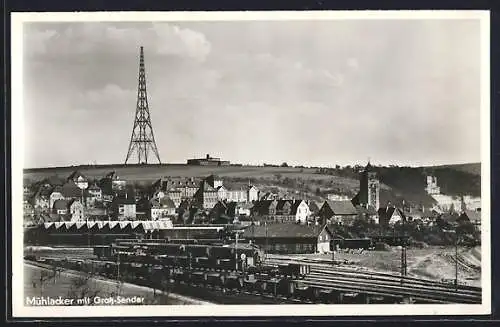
x,y
60,204
167,202
44,191
125,200
295,206
74,175
472,215
111,225
262,205
94,187
366,211
344,207
281,204
208,188
389,211
70,190
283,231
53,180
96,212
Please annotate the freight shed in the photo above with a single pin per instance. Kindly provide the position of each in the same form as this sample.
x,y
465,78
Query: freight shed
x,y
290,238
92,233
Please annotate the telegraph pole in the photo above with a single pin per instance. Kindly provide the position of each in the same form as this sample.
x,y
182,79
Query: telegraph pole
x,y
236,251
456,260
267,242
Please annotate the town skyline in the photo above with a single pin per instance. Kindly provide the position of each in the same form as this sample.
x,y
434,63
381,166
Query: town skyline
x,y
306,93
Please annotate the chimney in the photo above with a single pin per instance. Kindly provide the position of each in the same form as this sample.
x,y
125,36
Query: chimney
x,y
208,156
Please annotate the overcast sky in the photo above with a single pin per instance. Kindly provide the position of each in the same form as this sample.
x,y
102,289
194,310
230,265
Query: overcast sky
x,y
305,92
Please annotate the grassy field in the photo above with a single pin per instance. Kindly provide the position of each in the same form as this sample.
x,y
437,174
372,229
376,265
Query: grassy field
x,y
153,172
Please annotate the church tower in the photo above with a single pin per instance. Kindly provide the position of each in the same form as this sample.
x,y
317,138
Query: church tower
x,y
369,188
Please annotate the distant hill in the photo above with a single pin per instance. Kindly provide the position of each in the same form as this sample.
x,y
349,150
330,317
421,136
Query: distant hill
x,y
470,168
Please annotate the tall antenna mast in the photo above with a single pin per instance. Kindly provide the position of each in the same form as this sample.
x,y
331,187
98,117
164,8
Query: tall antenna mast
x,y
142,139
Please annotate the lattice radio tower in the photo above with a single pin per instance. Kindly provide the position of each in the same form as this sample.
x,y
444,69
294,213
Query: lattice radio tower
x,y
142,139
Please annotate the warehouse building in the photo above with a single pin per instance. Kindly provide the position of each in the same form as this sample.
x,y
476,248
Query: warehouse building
x,y
289,238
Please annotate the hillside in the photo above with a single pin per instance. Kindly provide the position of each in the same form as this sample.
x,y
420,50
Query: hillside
x,y
470,168
397,183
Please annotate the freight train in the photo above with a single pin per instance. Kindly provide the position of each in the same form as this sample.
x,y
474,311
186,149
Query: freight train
x,y
180,254
155,263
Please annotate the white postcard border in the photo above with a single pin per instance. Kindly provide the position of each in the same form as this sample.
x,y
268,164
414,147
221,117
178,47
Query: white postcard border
x,y
18,304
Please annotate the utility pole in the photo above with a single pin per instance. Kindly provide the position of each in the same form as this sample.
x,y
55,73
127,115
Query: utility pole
x,y
456,260
236,251
333,248
267,242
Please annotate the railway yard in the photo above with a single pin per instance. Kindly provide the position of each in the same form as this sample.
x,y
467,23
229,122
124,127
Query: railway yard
x,y
217,275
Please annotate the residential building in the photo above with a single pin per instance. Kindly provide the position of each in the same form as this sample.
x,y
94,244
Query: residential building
x,y
472,216
206,196
61,207
300,209
390,215
341,212
92,195
175,195
236,195
214,181
162,208
252,193
71,191
41,199
282,211
76,210
28,209
290,238
55,195
186,187
125,208
79,179
112,183
221,193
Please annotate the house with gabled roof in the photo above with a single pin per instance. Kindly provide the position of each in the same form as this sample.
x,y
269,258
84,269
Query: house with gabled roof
x,y
111,183
390,215
71,210
71,191
56,194
93,194
214,181
341,212
206,197
162,208
221,193
252,193
125,207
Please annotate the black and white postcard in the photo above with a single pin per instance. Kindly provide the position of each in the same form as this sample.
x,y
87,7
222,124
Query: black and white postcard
x,y
250,163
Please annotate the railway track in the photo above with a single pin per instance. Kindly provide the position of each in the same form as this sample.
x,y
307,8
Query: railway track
x,y
345,279
378,274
